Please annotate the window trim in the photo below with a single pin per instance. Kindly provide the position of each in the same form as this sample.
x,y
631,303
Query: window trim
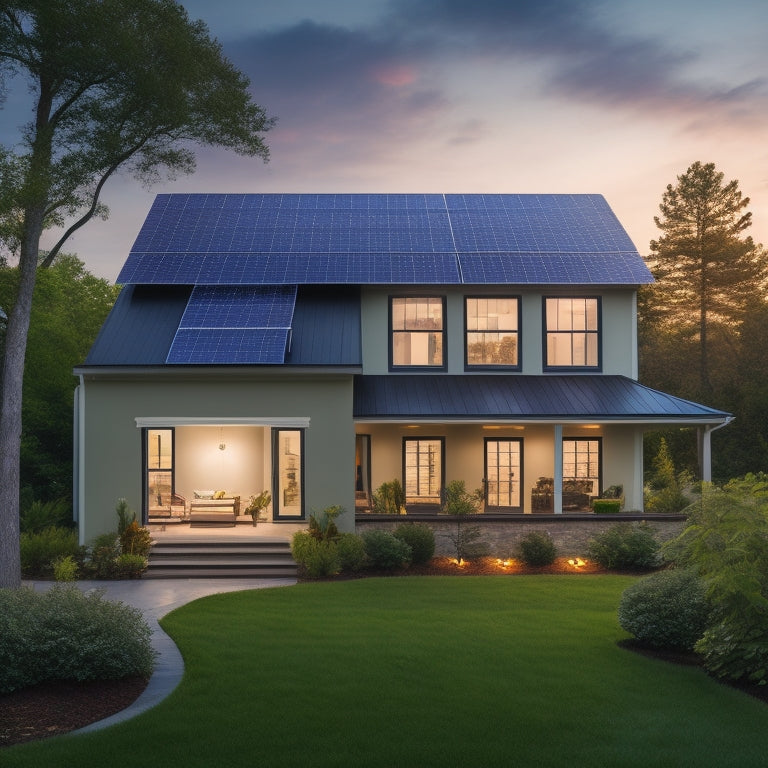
x,y
441,493
490,366
598,333
443,332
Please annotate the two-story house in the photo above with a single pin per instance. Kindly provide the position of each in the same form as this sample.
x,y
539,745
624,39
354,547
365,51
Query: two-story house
x,y
317,346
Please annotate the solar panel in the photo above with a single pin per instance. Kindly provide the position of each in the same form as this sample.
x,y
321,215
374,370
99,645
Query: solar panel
x,y
378,239
221,346
234,324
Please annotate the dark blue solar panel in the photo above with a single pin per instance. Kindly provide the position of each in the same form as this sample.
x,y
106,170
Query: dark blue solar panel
x,y
222,346
234,324
240,307
397,239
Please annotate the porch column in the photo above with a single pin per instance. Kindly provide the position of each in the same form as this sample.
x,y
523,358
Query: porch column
x,y
557,501
706,454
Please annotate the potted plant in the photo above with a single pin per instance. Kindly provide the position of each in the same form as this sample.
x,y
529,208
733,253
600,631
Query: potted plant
x,y
257,506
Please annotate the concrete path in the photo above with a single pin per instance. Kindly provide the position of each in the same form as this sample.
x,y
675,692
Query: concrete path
x,y
154,598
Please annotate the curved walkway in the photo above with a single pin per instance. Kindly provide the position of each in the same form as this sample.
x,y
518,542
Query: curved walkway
x,y
154,598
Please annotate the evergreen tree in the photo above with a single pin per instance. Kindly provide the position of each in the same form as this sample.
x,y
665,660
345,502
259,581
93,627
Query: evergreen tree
x,y
707,271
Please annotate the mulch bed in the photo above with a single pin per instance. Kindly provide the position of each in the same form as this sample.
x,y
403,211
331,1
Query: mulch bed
x,y
50,709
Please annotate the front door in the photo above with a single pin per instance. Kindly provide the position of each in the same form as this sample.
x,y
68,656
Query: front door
x,y
503,474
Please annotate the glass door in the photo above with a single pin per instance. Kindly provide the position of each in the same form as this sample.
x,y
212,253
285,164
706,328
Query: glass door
x,y
503,474
288,464
158,489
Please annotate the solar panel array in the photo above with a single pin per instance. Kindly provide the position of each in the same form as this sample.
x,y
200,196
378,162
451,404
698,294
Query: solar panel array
x,y
382,239
234,324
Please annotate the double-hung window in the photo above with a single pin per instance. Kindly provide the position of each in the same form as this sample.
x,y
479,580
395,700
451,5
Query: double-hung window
x,y
492,332
417,332
572,332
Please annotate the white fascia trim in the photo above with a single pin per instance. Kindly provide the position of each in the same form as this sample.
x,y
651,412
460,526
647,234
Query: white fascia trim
x,y
284,422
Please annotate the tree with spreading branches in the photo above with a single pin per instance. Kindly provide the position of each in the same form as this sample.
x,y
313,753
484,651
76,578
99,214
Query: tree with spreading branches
x,y
117,86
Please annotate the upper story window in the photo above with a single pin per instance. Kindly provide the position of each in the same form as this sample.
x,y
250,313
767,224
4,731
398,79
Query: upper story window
x,y
417,332
492,332
572,332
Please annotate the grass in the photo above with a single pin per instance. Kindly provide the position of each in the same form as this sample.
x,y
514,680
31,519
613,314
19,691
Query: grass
x,y
519,671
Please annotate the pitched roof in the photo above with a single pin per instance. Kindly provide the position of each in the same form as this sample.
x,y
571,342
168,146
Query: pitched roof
x,y
274,239
520,398
145,321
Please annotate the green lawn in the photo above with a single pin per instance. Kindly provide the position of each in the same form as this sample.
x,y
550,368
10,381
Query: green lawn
x,y
471,671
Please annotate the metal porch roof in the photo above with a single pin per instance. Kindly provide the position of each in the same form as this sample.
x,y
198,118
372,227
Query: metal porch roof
x,y
522,398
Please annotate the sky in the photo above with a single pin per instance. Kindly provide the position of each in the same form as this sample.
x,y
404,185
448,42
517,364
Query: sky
x,y
616,97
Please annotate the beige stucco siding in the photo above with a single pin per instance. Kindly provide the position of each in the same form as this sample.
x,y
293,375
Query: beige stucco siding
x,y
111,450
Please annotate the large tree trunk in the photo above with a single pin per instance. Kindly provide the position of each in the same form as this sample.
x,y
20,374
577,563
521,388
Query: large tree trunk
x,y
10,413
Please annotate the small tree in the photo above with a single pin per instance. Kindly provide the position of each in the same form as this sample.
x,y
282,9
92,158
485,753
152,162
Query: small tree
x,y
466,538
667,484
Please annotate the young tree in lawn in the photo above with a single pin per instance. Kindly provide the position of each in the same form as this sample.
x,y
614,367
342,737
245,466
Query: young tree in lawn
x,y
117,85
707,271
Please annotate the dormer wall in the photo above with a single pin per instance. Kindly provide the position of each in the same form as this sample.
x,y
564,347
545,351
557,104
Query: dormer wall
x,y
616,333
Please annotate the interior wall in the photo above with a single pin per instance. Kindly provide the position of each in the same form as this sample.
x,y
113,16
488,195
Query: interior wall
x,y
238,469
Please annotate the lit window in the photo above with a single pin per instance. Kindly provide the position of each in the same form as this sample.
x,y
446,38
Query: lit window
x,y
418,332
492,334
423,469
581,472
572,329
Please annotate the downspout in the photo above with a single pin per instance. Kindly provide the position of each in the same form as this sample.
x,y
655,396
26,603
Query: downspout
x,y
78,478
706,449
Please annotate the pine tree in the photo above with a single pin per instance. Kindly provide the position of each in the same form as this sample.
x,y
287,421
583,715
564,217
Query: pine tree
x,y
707,271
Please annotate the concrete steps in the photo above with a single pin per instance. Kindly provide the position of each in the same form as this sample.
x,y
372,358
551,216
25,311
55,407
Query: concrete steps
x,y
218,557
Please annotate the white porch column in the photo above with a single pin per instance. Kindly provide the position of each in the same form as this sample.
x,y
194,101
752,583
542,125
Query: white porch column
x,y
558,486
706,454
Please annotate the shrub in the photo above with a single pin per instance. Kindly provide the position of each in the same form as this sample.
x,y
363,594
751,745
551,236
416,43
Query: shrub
x,y
322,525
385,551
626,546
668,609
63,634
317,558
65,569
135,540
351,552
46,514
726,542
537,548
389,499
130,566
125,515
420,538
459,501
606,506
38,551
103,554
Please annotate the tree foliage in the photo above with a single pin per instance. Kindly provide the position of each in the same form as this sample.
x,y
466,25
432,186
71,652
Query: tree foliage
x,y
707,271
116,86
69,306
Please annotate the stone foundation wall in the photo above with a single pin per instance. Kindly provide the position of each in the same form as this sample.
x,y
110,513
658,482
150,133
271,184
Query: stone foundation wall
x,y
571,534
